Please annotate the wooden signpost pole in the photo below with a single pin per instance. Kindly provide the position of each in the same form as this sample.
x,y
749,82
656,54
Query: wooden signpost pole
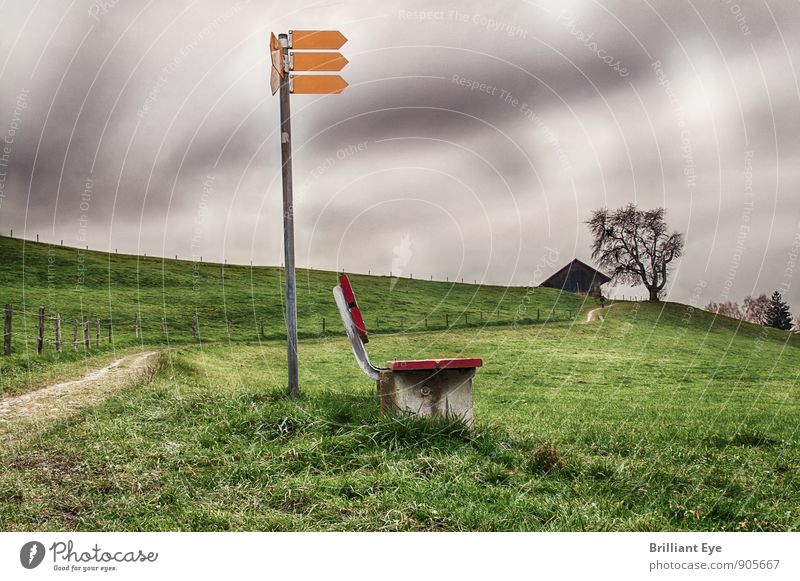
x,y
281,81
288,225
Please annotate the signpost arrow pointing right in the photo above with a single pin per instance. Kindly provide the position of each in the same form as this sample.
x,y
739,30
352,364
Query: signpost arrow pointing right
x,y
317,39
317,61
317,84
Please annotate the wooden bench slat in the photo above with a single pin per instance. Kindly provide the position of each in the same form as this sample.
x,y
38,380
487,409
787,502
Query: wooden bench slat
x,y
355,312
358,321
423,364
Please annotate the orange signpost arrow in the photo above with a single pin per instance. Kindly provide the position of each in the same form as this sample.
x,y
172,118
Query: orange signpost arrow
x,y
276,55
317,84
274,80
317,39
275,50
317,61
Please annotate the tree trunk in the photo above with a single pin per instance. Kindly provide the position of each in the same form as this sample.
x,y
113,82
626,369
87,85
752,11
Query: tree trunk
x,y
653,294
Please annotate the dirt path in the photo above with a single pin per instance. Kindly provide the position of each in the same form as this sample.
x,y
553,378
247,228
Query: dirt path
x,y
60,400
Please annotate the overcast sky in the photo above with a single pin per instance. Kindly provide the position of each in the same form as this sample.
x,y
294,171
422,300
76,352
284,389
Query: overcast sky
x,y
474,140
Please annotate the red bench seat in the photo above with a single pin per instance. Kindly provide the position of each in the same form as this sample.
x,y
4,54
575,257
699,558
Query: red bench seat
x,y
428,364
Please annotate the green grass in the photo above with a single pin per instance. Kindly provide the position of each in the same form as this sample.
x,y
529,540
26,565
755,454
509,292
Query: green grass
x,y
118,288
660,418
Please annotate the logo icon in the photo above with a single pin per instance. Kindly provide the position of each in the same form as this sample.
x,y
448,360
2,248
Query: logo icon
x,y
31,554
401,256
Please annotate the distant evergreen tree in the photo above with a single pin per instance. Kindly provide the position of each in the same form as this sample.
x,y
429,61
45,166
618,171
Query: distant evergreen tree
x,y
778,315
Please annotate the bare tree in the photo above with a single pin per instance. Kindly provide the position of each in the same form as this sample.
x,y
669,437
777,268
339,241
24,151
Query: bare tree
x,y
635,246
726,309
755,309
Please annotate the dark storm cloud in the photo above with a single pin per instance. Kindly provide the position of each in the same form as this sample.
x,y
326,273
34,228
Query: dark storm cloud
x,y
474,138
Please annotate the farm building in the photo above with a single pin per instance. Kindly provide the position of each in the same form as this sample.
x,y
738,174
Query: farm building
x,y
577,277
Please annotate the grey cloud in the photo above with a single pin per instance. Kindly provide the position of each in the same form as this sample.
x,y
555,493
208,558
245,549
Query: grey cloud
x,y
478,184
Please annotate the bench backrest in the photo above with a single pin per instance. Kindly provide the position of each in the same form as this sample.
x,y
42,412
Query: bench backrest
x,y
354,326
352,305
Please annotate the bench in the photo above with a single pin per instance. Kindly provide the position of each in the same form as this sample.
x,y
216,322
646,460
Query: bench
x,y
423,387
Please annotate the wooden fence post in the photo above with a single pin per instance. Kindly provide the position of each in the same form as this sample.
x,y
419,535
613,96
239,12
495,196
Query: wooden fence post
x,y
137,326
7,330
446,320
74,334
97,334
164,328
86,341
40,332
58,333
194,326
466,320
323,324
228,326
110,331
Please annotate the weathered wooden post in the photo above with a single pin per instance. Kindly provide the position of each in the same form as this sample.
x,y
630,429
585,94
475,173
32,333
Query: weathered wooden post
x,y
194,326
97,334
75,335
323,324
466,320
446,320
137,323
7,329
228,326
164,328
86,341
40,332
110,331
58,333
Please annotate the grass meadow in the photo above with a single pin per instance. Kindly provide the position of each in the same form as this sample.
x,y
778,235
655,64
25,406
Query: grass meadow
x,y
659,417
232,304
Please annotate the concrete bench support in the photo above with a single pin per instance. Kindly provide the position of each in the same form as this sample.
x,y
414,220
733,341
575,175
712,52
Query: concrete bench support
x,y
437,393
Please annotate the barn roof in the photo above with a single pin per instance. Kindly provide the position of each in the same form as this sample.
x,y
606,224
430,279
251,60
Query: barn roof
x,y
599,276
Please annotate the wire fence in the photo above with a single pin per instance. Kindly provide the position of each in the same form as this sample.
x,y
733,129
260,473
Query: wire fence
x,y
22,329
